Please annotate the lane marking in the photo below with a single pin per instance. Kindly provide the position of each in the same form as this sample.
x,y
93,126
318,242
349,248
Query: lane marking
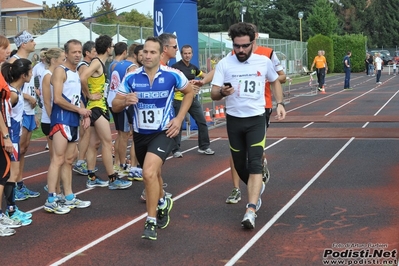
x,y
263,230
135,220
142,216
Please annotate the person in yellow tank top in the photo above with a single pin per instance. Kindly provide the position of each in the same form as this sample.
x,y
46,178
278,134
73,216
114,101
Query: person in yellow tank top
x,y
95,89
98,85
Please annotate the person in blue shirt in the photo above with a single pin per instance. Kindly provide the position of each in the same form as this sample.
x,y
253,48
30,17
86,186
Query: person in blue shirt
x,y
347,70
150,89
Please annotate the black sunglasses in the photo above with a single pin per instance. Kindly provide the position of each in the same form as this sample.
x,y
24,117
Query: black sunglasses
x,y
238,46
174,46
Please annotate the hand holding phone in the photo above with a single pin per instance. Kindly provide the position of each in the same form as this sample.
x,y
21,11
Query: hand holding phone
x,y
227,84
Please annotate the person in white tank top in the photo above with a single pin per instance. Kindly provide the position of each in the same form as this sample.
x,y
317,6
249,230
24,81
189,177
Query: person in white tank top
x,y
16,74
53,58
26,45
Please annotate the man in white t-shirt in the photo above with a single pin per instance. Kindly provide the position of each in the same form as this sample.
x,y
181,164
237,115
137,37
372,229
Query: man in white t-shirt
x,y
378,67
240,79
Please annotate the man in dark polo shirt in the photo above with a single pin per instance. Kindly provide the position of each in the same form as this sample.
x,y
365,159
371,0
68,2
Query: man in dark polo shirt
x,y
191,72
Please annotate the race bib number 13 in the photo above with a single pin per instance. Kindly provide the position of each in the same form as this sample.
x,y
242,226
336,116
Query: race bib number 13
x,y
248,88
150,118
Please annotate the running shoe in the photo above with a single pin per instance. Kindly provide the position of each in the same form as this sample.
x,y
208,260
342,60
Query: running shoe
x,y
119,184
135,174
265,172
97,182
19,218
19,196
122,171
208,151
150,231
56,207
76,203
259,203
7,222
178,154
5,231
28,192
248,221
80,169
234,197
163,217
167,194
24,215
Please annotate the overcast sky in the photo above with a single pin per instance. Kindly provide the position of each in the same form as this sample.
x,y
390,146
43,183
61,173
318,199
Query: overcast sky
x,y
90,6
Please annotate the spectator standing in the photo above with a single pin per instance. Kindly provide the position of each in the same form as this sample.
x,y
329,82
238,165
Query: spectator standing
x,y
378,67
321,67
370,61
192,72
347,70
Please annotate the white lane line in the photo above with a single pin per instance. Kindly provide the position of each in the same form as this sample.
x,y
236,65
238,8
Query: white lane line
x,y
135,220
345,104
263,230
117,230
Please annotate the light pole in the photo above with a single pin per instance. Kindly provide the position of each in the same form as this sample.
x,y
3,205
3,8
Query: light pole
x,y
243,11
92,7
300,16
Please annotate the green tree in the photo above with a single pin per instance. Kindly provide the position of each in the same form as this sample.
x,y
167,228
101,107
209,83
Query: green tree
x,y
282,19
383,28
135,18
322,19
106,13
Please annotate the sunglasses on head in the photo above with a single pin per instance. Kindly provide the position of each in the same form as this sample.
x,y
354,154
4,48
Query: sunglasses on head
x,y
238,46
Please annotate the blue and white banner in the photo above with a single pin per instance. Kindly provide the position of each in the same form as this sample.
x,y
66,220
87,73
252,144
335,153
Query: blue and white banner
x,y
180,18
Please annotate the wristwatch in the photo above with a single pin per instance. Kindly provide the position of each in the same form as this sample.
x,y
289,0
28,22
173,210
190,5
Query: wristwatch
x,y
280,104
6,136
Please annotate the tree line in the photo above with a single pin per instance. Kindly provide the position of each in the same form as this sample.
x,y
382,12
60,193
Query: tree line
x,y
377,20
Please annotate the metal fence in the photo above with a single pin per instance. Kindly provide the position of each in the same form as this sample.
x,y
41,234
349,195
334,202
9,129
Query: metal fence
x,y
292,54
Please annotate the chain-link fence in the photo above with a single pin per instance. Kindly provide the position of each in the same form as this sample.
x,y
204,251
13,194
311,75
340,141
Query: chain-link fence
x,y
212,46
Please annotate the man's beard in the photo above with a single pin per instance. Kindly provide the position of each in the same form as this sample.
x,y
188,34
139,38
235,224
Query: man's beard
x,y
245,58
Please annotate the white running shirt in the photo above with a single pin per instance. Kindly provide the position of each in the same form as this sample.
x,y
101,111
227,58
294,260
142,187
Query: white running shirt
x,y
45,118
248,80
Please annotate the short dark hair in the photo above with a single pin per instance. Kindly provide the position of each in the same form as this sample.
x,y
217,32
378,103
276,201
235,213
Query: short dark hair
x,y
185,47
87,47
66,45
137,49
242,29
12,71
157,40
119,48
103,42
